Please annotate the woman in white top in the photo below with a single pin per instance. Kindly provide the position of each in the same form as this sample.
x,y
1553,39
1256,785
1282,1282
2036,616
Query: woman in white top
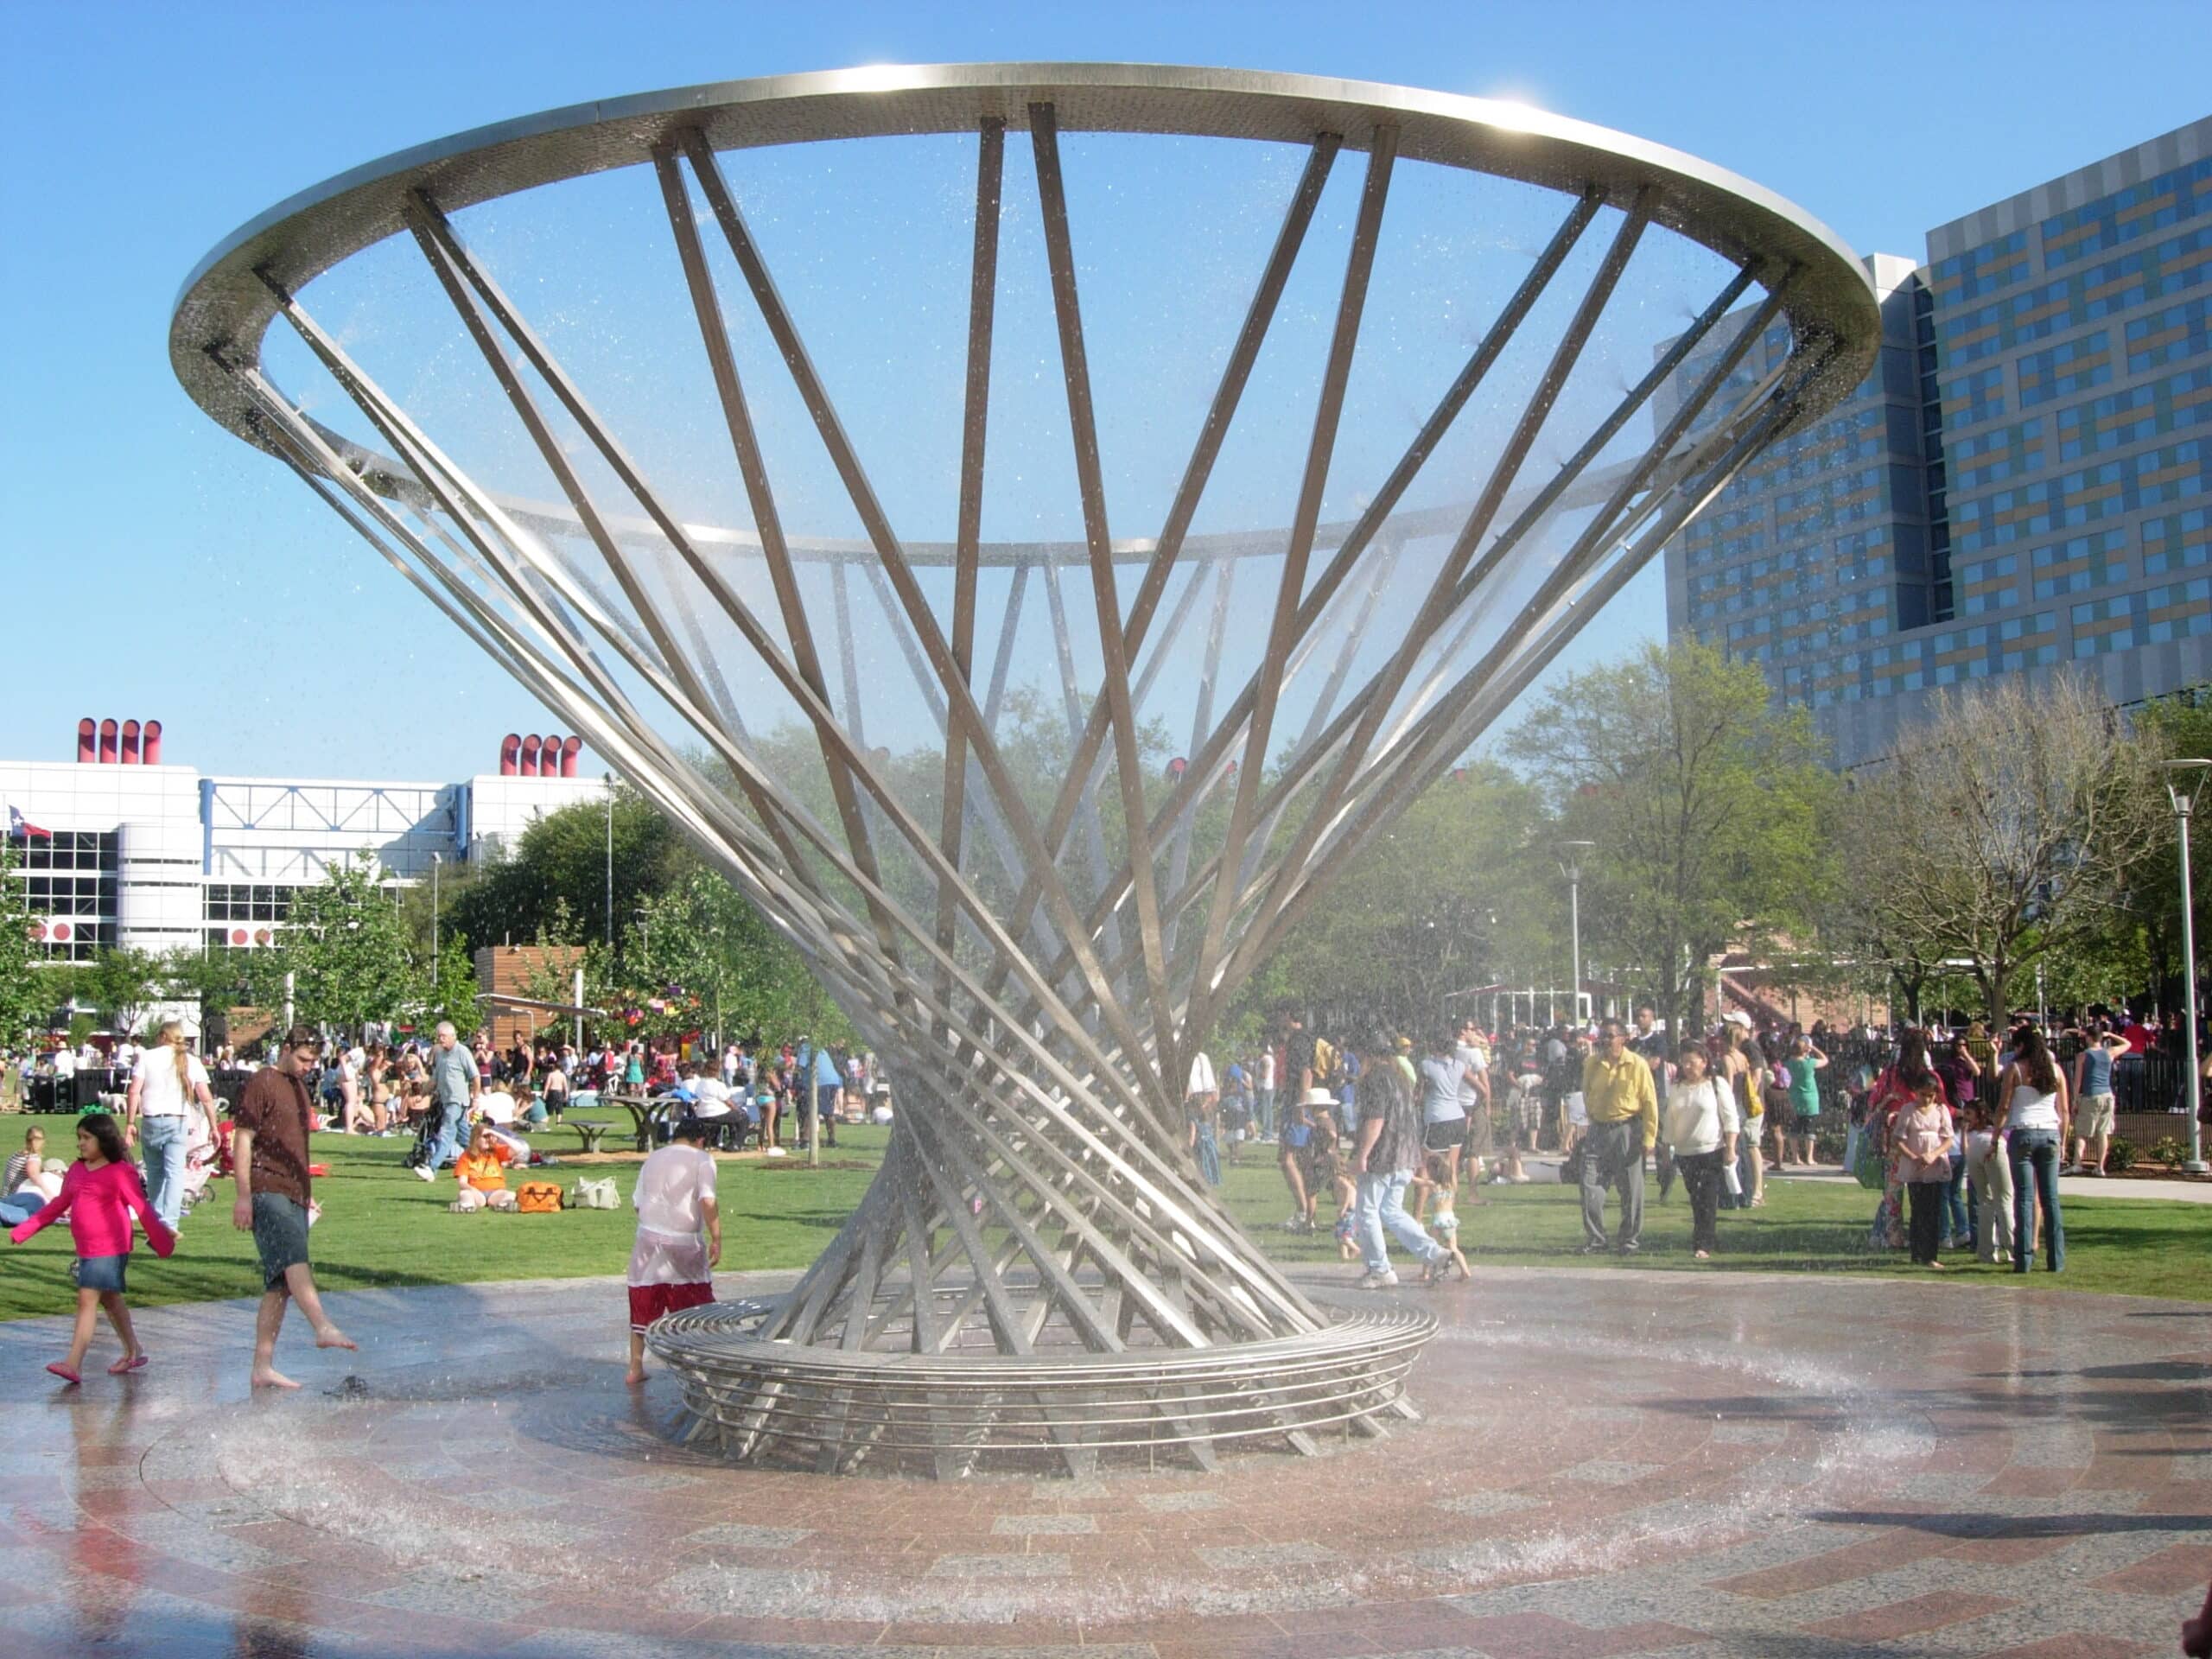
x,y
2031,1099
679,1234
1702,1125
168,1084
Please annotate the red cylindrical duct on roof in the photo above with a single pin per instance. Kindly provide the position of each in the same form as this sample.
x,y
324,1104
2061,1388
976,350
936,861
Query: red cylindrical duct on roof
x,y
86,740
509,747
530,746
107,742
150,743
129,756
570,747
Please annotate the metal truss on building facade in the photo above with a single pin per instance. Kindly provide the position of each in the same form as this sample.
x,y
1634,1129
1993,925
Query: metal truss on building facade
x,y
1037,947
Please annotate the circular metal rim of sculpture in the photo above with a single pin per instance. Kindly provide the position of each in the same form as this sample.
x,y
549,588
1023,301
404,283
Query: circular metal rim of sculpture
x,y
226,305
763,1398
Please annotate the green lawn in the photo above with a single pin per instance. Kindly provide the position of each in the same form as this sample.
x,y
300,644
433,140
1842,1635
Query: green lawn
x,y
2140,1247
381,1226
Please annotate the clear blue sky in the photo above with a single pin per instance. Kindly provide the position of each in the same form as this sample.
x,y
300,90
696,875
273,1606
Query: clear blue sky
x,y
155,567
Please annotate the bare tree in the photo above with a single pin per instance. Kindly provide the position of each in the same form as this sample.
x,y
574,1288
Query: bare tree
x,y
2000,825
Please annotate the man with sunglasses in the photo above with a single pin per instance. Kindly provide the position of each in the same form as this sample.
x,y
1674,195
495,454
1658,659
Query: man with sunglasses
x,y
268,1151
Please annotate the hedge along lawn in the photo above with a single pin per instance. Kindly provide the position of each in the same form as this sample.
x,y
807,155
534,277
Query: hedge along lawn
x,y
383,1228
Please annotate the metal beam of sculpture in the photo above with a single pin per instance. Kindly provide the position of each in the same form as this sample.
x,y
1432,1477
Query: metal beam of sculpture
x,y
1037,952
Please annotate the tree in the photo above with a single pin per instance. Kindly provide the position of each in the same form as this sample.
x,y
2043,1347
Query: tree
x,y
704,949
122,984
1444,900
221,980
346,948
28,988
554,880
2135,942
2004,826
449,993
1704,800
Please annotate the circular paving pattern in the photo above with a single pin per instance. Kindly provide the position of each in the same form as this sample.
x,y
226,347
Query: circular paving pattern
x,y
1609,1464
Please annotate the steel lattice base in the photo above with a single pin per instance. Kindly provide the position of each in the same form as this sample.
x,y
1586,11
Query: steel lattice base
x,y
780,1403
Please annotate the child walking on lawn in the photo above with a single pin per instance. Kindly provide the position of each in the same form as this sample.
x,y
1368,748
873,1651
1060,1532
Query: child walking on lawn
x,y
100,1194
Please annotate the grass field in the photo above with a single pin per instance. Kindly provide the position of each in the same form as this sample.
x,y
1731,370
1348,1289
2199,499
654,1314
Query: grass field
x,y
383,1228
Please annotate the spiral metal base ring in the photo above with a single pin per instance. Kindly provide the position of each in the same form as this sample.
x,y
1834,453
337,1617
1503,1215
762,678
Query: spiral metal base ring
x,y
976,1412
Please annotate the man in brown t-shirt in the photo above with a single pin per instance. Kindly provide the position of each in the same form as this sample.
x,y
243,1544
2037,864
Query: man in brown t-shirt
x,y
268,1150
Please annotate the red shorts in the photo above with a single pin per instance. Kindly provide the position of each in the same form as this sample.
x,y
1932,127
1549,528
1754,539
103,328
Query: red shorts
x,y
649,1302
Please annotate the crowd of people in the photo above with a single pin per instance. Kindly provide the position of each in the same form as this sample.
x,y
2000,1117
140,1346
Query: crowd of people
x,y
1963,1134
153,1149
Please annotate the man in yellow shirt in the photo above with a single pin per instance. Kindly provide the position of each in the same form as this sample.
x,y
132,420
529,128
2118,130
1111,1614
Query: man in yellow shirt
x,y
1624,1107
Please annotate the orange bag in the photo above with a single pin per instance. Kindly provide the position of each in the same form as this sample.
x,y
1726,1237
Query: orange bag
x,y
537,1198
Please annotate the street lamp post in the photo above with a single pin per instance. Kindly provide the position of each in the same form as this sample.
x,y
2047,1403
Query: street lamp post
x,y
1570,866
610,863
2184,778
436,861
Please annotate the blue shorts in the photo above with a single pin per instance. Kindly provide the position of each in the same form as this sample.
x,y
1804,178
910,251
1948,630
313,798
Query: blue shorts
x,y
103,1272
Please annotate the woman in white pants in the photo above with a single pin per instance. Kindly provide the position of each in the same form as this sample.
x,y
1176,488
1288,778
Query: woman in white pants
x,y
1989,1177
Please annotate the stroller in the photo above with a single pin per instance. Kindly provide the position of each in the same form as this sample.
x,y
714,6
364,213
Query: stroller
x,y
426,1138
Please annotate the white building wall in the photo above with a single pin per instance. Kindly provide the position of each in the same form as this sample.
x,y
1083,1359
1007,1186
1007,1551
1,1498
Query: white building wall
x,y
291,832
159,896
500,809
178,835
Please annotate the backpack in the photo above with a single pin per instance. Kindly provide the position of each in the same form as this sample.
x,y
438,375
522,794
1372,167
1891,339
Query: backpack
x,y
538,1199
1871,1168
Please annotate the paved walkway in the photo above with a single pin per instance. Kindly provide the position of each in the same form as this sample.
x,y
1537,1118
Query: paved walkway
x,y
1611,1464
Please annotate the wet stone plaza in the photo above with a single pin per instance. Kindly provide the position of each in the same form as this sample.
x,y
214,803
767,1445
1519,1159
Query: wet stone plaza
x,y
1608,1464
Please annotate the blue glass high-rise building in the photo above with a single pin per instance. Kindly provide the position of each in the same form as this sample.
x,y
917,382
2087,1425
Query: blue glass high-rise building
x,y
2022,482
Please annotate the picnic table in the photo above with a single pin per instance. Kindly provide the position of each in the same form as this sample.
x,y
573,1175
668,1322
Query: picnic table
x,y
641,1112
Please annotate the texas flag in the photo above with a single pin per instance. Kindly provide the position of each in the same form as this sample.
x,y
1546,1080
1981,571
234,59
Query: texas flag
x,y
20,826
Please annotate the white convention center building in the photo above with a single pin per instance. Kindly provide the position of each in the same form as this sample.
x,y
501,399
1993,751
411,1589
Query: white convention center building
x,y
121,847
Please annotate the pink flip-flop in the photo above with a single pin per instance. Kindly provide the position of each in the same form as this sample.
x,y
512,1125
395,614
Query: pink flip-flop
x,y
64,1372
121,1366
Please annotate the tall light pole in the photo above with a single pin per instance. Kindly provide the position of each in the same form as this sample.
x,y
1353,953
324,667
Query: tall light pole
x,y
2184,778
610,863
436,861
1570,866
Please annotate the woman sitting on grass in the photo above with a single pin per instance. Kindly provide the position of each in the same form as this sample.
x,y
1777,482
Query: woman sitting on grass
x,y
483,1174
28,1183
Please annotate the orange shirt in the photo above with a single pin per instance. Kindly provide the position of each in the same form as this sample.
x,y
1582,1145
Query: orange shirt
x,y
486,1171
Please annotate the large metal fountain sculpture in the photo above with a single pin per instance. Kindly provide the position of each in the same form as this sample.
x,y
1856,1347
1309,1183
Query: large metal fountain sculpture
x,y
1036,1273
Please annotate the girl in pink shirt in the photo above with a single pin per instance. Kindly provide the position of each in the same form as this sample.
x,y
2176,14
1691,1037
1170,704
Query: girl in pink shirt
x,y
99,1195
1922,1138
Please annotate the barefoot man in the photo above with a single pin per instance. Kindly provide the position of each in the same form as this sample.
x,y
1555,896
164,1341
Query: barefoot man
x,y
269,1148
